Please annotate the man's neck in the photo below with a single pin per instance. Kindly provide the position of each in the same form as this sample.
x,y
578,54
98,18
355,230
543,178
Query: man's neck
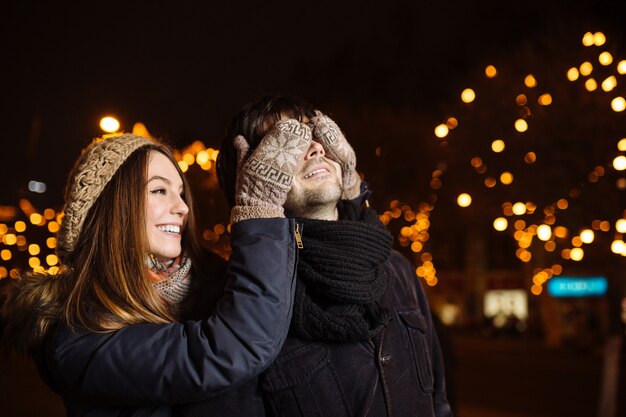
x,y
320,213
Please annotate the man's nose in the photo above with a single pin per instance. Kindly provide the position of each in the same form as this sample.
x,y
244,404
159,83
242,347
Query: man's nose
x,y
315,150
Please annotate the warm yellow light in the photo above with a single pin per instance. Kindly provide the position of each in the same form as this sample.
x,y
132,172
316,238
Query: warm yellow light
x,y
591,84
468,95
585,68
109,124
561,232
464,200
605,58
573,74
620,225
506,178
3,272
599,39
490,182
9,239
34,262
618,246
588,39
530,158
619,163
183,166
530,81
618,104
33,249
544,232
417,246
536,289
577,241
576,254
491,71
521,100
587,236
51,242
19,226
545,99
549,246
5,254
49,214
202,157
452,122
53,227
441,131
521,125
519,208
497,145
36,218
500,224
189,159
525,256
519,225
621,67
3,229
52,260
609,83
621,145
140,129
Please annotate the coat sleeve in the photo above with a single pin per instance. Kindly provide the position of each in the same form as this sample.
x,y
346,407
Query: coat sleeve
x,y
184,362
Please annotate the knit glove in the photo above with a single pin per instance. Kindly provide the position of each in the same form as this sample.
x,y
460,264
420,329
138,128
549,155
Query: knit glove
x,y
264,179
337,148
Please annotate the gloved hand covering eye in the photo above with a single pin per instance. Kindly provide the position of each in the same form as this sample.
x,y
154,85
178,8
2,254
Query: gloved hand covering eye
x,y
265,178
337,148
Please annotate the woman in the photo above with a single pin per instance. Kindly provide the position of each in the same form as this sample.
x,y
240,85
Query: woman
x,y
104,333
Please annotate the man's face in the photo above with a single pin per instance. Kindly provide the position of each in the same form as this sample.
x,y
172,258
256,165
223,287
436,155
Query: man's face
x,y
316,186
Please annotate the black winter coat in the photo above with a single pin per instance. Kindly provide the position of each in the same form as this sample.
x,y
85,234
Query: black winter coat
x,y
398,374
145,370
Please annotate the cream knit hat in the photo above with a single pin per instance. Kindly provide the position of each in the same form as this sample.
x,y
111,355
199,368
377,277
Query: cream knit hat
x,y
93,169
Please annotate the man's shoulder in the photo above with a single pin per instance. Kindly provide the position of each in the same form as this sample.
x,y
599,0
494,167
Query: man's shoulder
x,y
397,260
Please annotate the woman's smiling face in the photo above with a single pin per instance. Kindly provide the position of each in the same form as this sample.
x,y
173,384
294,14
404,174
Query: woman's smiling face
x,y
166,210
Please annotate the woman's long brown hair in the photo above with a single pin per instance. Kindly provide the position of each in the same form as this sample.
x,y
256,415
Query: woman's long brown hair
x,y
111,288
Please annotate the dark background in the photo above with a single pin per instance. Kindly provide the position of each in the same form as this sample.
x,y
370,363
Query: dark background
x,y
185,69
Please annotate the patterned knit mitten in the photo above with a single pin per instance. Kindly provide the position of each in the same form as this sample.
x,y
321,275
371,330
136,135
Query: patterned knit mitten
x,y
337,148
264,179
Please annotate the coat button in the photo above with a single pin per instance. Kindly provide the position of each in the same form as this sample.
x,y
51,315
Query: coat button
x,y
384,359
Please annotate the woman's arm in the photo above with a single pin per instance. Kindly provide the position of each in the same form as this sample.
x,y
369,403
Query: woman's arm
x,y
184,362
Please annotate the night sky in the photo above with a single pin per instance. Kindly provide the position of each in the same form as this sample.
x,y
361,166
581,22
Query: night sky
x,y
184,70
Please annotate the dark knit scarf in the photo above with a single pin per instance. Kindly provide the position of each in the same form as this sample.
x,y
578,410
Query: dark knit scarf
x,y
340,277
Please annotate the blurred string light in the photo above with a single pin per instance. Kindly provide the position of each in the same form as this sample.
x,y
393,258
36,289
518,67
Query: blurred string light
x,y
551,236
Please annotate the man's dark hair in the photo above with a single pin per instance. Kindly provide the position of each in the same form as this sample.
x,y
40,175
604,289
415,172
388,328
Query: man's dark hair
x,y
249,123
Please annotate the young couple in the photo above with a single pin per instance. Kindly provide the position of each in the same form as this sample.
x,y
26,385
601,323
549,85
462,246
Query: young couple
x,y
314,314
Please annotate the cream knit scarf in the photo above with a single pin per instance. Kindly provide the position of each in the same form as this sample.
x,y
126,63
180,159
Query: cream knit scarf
x,y
171,279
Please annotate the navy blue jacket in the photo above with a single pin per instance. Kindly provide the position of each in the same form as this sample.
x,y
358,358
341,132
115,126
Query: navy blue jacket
x,y
400,373
144,370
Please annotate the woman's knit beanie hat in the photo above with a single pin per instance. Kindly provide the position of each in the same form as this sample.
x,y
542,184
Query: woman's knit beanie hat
x,y
93,169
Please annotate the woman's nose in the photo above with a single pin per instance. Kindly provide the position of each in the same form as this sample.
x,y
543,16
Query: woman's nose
x,y
315,150
180,207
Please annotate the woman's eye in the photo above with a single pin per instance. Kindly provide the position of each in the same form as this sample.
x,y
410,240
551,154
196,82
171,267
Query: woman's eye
x,y
158,191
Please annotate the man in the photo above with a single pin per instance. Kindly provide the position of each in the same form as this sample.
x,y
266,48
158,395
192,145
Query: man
x,y
362,341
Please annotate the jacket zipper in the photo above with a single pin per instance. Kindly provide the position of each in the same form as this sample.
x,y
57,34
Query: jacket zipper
x,y
298,237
